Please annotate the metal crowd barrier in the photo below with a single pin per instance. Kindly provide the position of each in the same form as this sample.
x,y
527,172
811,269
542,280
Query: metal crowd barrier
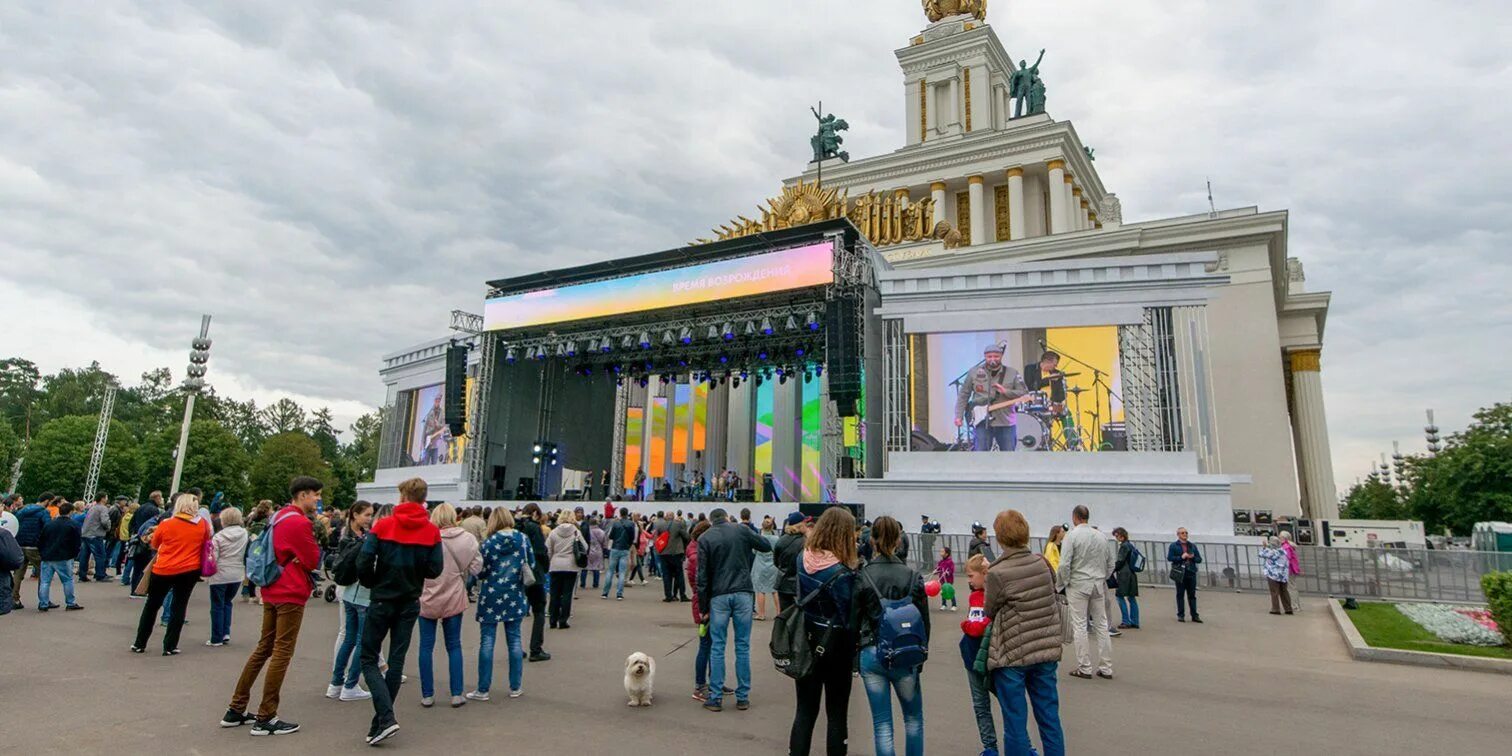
x,y
1386,573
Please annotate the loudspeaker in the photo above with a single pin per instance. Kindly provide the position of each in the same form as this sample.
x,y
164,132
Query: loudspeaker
x,y
456,389
847,467
745,494
842,339
1241,515
525,489
1263,517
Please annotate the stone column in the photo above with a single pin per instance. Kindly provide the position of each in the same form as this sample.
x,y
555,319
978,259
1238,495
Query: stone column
x,y
1312,432
1068,181
937,193
978,211
1057,192
1078,216
1015,203
1086,214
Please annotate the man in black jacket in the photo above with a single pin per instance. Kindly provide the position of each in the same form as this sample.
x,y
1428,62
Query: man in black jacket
x,y
674,585
530,525
725,595
785,556
398,555
148,512
57,547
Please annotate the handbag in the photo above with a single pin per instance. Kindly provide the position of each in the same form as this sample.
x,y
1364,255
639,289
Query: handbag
x,y
1178,572
527,573
208,563
579,551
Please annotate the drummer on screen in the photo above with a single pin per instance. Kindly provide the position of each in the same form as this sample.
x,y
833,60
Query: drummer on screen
x,y
987,400
1046,372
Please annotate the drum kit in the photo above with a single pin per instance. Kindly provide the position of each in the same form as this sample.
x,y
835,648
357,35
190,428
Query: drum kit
x,y
1042,425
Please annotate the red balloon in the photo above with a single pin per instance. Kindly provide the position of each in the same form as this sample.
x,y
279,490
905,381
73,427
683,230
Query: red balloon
x,y
932,588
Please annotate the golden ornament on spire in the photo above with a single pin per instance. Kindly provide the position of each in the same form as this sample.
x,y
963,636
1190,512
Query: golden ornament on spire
x,y
939,9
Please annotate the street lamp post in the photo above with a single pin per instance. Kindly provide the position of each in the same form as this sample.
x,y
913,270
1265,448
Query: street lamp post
x,y
199,355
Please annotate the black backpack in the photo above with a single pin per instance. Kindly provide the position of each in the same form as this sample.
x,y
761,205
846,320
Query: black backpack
x,y
344,567
792,653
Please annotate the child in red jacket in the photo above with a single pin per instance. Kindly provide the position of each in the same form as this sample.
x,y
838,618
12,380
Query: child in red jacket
x,y
972,629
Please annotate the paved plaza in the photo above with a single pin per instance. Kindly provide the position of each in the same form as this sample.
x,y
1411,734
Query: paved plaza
x,y
1244,682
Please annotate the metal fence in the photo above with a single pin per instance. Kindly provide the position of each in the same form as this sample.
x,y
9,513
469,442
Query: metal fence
x,y
1408,574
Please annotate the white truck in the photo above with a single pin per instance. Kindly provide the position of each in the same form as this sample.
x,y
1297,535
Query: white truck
x,y
1365,534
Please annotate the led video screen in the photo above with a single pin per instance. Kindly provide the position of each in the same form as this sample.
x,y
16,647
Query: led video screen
x,y
795,268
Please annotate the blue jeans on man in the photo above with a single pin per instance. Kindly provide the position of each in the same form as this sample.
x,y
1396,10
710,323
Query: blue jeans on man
x,y
619,564
1006,437
488,633
1037,681
726,609
61,568
880,683
92,548
222,596
348,660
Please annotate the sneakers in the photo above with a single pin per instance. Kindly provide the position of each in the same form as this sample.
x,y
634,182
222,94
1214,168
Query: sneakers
x,y
1196,619
457,702
171,652
517,692
713,705
477,695
274,726
540,656
138,650
215,644
235,718
1105,675
427,701
1114,633
381,733
79,607
354,693
333,691
742,705
701,693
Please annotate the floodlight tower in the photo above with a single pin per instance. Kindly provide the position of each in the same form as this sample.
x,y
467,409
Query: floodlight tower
x,y
199,356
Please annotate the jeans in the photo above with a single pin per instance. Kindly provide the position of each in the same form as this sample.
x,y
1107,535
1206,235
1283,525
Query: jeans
x,y
1087,601
674,584
619,562
143,556
346,655
61,568
1187,587
451,628
1038,681
831,682
725,609
1128,609
396,622
488,634
981,708
583,578
113,552
129,573
880,683
275,647
92,548
167,606
561,597
1006,437
701,661
221,597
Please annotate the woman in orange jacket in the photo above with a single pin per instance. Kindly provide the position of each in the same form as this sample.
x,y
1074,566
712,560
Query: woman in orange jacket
x,y
179,542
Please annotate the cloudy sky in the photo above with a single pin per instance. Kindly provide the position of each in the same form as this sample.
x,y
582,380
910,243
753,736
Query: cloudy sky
x,y
330,183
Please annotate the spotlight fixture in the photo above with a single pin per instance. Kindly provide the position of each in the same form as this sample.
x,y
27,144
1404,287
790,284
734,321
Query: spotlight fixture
x,y
643,381
762,355
713,332
808,377
667,337
818,370
593,344
561,349
509,355
766,327
645,340
606,344
572,349
627,342
812,321
799,350
536,448
685,335
728,332
782,378
792,324
758,380
750,328
724,358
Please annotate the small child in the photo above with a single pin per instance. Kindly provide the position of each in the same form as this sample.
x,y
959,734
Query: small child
x,y
945,570
972,629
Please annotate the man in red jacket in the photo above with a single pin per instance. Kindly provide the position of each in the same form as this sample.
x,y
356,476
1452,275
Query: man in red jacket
x,y
283,610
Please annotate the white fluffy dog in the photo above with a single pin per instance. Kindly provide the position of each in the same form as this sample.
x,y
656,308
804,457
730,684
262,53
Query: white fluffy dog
x,y
640,675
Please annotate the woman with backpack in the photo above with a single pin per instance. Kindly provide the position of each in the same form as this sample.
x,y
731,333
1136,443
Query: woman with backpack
x,y
562,546
346,668
826,586
501,599
894,638
230,569
1125,575
442,602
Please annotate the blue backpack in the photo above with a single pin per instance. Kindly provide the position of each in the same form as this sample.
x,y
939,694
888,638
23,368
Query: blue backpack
x,y
263,568
901,643
1136,559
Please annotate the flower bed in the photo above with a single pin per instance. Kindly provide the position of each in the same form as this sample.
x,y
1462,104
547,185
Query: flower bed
x,y
1463,625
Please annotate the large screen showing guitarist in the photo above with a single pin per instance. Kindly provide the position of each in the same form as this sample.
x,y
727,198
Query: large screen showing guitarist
x,y
987,400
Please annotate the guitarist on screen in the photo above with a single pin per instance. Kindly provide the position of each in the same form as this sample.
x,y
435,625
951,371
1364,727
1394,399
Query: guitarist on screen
x,y
987,399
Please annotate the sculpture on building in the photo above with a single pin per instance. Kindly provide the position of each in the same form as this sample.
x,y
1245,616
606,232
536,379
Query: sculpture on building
x,y
948,234
940,9
1091,153
1021,85
1111,212
827,142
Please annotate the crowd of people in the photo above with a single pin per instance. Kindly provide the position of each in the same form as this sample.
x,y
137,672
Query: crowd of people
x,y
863,605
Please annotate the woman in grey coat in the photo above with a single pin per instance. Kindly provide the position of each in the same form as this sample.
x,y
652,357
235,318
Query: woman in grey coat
x,y
1127,579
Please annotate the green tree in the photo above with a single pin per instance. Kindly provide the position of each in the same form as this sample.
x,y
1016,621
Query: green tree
x,y
10,450
216,461
74,392
1469,481
362,452
1373,500
322,428
19,392
284,416
281,458
58,458
243,419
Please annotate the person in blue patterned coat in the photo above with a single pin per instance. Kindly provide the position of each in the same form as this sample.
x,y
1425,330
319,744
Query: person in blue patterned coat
x,y
501,599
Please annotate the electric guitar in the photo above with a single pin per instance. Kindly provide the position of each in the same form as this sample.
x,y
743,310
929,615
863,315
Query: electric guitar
x,y
981,412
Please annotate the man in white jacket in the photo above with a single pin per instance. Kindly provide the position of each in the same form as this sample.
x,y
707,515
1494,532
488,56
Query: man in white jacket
x,y
1087,559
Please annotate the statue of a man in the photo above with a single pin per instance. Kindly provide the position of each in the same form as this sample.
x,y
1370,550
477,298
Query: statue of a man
x,y
1021,81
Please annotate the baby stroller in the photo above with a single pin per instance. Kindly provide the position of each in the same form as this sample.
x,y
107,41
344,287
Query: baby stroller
x,y
323,575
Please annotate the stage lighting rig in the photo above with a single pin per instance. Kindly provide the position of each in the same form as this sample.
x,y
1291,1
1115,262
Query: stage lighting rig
x,y
510,356
572,349
685,335
668,338
812,321
792,324
606,344
766,327
713,333
645,340
727,332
